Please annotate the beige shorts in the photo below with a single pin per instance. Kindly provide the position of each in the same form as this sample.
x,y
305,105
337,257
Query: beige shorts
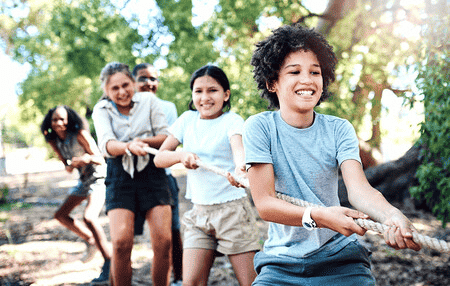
x,y
230,228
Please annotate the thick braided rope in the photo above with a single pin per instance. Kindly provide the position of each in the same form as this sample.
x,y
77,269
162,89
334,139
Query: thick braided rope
x,y
423,240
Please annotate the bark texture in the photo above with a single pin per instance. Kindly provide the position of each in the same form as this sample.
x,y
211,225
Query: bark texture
x,y
393,178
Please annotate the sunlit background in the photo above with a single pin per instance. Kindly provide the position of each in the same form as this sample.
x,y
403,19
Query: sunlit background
x,y
397,138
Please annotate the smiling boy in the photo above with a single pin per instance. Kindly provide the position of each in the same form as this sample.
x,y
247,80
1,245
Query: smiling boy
x,y
298,152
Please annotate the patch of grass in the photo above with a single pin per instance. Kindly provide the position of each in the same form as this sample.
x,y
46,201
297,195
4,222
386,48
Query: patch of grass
x,y
5,205
14,206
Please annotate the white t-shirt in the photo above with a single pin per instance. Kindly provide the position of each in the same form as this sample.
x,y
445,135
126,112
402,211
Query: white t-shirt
x,y
210,140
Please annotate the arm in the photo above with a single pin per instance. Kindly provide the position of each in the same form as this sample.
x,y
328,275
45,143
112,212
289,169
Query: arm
x,y
155,141
270,208
69,168
136,146
92,155
167,156
370,201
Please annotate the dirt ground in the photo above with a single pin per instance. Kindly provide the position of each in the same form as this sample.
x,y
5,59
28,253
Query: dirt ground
x,y
36,250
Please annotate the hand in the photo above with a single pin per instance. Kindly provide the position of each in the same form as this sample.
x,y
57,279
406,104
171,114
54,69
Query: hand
x,y
239,173
83,160
97,160
339,219
136,147
189,159
69,168
399,234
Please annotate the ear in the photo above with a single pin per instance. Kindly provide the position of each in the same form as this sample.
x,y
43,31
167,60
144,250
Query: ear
x,y
227,95
270,87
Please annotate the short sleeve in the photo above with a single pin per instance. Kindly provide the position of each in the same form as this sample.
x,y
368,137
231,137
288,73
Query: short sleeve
x,y
103,126
347,143
236,125
157,117
177,128
256,140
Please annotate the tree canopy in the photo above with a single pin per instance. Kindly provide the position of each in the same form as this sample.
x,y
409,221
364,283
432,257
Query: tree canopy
x,y
68,42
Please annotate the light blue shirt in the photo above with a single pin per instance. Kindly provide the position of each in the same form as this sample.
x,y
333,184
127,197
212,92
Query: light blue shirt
x,y
170,110
210,140
305,163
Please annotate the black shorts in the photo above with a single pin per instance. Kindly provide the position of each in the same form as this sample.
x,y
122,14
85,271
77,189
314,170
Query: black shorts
x,y
147,189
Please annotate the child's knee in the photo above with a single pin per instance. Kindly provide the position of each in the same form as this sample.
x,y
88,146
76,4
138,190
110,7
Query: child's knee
x,y
60,216
89,219
122,245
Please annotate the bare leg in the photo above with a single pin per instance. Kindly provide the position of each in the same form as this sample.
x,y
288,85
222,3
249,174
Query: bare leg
x,y
78,227
121,222
197,264
159,220
243,267
91,214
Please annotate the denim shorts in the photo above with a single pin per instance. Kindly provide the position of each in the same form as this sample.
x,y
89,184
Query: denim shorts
x,y
229,228
348,266
147,189
82,189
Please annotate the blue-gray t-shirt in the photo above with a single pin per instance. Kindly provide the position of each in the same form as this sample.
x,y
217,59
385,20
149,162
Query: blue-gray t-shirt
x,y
305,163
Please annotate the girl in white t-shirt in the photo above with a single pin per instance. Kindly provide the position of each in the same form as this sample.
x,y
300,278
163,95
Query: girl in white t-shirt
x,y
222,219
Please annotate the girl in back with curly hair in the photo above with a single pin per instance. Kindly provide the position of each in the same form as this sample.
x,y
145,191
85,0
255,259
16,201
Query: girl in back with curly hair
x,y
65,131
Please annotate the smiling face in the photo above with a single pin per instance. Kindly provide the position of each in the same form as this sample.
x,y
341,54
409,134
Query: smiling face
x,y
300,83
209,97
147,79
120,89
60,121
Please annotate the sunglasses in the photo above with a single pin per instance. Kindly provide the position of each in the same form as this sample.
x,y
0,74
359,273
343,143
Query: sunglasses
x,y
145,79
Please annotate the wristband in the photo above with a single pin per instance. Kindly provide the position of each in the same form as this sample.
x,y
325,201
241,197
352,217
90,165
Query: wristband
x,y
307,221
128,152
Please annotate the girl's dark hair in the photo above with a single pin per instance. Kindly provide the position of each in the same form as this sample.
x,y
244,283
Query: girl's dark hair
x,y
271,52
216,73
74,123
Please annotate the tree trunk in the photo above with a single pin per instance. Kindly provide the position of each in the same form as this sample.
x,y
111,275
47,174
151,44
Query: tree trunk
x,y
393,179
335,10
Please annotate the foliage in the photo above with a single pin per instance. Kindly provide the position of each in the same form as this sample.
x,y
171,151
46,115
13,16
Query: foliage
x,y
71,44
434,82
67,43
12,135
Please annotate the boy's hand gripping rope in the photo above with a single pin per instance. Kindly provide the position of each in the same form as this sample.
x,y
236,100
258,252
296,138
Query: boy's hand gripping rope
x,y
423,240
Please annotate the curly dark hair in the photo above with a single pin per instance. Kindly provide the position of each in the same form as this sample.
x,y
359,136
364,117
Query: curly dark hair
x,y
216,73
74,123
271,52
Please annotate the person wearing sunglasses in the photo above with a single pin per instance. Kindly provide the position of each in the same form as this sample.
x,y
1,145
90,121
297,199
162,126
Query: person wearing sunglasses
x,y
146,77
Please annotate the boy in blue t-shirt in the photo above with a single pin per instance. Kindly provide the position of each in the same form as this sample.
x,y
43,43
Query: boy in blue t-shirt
x,y
298,152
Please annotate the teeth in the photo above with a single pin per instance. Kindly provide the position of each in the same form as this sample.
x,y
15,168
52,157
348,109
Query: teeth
x,y
304,92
